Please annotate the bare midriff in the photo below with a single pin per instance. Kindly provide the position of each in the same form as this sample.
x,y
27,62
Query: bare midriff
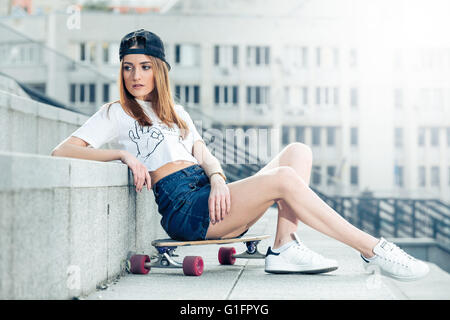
x,y
167,169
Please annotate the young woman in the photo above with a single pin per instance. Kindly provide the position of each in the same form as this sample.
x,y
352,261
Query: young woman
x,y
158,141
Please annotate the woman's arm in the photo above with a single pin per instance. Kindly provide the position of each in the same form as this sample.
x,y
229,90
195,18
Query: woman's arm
x,y
74,147
207,161
219,199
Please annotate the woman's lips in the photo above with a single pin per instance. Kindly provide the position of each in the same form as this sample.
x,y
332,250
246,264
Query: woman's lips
x,y
137,86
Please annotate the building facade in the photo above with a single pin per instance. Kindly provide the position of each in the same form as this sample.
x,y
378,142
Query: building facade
x,y
351,79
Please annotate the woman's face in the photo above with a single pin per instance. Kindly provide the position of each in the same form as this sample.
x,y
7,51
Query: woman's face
x,y
138,75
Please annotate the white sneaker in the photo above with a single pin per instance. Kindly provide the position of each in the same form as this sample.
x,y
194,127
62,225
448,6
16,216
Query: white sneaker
x,y
393,262
298,258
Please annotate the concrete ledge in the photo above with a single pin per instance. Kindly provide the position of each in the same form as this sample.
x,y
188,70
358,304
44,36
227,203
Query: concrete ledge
x,y
32,127
67,225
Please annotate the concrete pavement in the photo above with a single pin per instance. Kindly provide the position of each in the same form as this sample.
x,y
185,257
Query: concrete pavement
x,y
247,279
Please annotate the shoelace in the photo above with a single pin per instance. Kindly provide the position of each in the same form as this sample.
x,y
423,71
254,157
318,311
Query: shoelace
x,y
302,247
397,255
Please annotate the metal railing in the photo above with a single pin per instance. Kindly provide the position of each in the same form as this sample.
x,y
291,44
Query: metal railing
x,y
395,217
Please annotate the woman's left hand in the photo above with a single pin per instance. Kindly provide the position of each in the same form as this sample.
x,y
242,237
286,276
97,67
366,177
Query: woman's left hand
x,y
219,202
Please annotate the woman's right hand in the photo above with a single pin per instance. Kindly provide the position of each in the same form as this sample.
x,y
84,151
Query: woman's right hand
x,y
140,172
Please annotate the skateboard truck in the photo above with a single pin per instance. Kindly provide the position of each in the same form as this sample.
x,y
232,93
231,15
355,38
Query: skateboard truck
x,y
164,258
251,252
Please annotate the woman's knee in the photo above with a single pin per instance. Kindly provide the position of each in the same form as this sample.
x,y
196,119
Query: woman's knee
x,y
286,179
300,151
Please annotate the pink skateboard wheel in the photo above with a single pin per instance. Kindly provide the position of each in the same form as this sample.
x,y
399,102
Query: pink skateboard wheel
x,y
226,255
193,266
137,264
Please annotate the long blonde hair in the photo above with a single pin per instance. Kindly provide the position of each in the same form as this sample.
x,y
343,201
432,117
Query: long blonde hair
x,y
161,99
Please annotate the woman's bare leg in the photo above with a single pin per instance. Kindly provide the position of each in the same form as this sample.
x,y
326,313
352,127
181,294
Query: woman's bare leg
x,y
313,211
298,156
252,196
250,199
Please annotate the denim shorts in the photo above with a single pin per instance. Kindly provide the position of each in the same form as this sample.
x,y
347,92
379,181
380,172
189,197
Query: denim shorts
x,y
182,199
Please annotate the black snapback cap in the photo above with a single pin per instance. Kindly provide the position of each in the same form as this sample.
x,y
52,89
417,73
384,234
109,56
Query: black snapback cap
x,y
153,45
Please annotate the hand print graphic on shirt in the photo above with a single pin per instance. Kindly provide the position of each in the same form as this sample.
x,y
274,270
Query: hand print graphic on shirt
x,y
146,139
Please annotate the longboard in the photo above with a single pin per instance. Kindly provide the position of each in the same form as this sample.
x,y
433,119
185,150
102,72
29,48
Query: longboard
x,y
193,265
177,243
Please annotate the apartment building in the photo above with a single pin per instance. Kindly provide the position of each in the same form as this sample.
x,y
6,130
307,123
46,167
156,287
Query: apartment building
x,y
373,105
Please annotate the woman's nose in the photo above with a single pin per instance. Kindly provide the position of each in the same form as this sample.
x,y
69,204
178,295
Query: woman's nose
x,y
136,75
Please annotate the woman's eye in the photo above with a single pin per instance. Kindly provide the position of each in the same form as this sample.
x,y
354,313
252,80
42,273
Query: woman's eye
x,y
126,68
147,67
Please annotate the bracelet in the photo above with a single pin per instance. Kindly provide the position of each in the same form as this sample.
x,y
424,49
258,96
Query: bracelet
x,y
220,173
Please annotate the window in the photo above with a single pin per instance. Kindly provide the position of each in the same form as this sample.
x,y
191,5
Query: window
x,y
300,134
189,94
304,57
398,98
73,91
105,49
92,92
354,175
353,58
318,96
316,175
435,179
336,57
82,51
114,53
305,101
225,56
81,93
354,136
258,95
398,137
92,52
318,56
434,137
316,136
336,96
331,136
88,51
105,92
287,96
327,96
331,171
448,137
187,55
226,95
285,137
353,97
216,55
398,176
258,55
422,176
421,137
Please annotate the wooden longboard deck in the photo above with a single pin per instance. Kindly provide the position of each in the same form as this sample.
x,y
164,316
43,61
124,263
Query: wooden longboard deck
x,y
177,243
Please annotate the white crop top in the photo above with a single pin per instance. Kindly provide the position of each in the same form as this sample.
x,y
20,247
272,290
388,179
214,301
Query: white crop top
x,y
153,145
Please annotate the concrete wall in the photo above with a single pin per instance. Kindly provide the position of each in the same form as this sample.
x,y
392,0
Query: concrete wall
x,y
67,225
29,126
